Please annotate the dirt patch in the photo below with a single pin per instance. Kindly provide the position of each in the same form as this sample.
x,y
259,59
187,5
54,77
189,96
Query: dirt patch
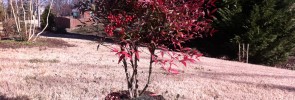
x,y
49,42
124,95
43,61
41,42
89,30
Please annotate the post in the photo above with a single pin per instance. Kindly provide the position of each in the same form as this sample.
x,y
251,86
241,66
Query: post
x,y
243,57
247,53
1,30
239,52
38,13
1,27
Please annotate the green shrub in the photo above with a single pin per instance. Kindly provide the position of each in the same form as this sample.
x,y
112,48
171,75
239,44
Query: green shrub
x,y
51,22
267,25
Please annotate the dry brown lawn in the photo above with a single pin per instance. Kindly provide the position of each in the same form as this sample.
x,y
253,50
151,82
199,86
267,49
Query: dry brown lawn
x,y
81,72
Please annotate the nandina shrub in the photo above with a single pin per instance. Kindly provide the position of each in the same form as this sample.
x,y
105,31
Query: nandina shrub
x,y
157,24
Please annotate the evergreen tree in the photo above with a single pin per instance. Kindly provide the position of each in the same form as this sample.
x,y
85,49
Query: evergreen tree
x,y
267,25
270,32
51,22
228,21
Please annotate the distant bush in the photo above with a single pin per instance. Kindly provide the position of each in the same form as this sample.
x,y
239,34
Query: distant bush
x,y
9,28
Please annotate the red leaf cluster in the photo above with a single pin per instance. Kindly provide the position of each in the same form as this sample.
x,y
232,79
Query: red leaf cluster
x,y
161,24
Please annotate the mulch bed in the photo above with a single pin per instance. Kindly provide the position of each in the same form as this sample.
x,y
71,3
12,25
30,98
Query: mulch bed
x,y
41,42
124,95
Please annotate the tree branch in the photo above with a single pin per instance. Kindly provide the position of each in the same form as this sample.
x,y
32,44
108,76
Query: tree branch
x,y
150,72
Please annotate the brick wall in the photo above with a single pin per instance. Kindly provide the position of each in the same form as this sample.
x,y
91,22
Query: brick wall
x,y
70,22
63,22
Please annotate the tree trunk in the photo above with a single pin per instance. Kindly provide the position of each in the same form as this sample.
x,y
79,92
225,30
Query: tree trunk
x,y
46,21
14,16
17,16
243,57
24,19
150,72
31,18
38,13
247,60
135,71
239,52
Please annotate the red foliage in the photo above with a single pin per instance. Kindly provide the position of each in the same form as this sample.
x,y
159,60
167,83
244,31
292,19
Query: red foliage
x,y
162,23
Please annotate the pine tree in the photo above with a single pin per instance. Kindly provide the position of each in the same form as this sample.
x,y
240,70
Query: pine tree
x,y
51,22
271,32
228,22
267,25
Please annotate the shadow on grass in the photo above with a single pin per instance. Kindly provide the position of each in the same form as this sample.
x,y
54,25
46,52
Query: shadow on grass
x,y
41,42
216,76
77,36
3,97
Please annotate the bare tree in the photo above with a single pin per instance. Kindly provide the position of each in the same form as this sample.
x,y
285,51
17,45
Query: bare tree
x,y
46,21
62,7
27,26
15,16
2,11
24,16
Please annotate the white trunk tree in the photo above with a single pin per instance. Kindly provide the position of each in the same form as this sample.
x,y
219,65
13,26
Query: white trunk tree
x,y
15,16
26,25
50,6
